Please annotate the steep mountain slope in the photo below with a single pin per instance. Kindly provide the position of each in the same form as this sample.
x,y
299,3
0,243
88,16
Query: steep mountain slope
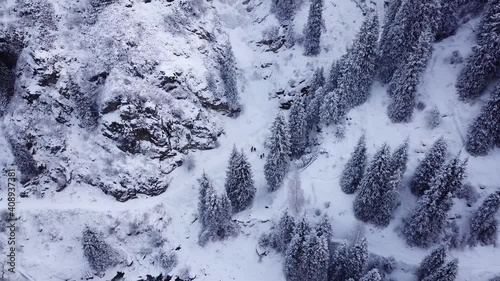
x,y
51,227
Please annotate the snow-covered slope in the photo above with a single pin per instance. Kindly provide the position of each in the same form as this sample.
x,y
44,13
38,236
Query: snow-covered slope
x,y
51,227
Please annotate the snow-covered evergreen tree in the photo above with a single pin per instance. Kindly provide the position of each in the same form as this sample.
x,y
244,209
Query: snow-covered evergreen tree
x,y
412,19
349,261
324,228
298,127
217,222
377,198
358,259
429,167
355,167
284,232
227,65
448,22
446,273
390,15
205,189
316,258
334,107
284,10
318,80
403,86
335,73
427,220
483,224
278,158
478,72
339,266
313,108
484,130
399,158
239,182
372,275
432,262
312,31
295,253
99,254
481,66
358,67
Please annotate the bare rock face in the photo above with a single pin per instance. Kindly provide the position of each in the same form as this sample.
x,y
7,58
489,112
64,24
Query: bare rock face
x,y
109,93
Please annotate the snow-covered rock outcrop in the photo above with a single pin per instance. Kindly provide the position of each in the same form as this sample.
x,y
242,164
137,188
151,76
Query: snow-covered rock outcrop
x,y
109,93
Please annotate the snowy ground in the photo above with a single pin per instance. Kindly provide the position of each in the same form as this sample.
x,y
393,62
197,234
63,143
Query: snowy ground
x,y
51,227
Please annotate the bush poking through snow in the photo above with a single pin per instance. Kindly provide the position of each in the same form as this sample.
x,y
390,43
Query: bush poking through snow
x,y
433,118
446,273
23,160
99,254
167,261
189,162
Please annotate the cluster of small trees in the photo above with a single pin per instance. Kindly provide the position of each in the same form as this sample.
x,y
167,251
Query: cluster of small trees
x,y
214,210
309,253
378,186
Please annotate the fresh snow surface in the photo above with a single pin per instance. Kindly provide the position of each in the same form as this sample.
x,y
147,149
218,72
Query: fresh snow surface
x,y
51,227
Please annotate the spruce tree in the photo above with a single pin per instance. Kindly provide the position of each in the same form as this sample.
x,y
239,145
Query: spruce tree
x,y
339,267
427,220
390,16
432,262
399,158
316,258
429,167
481,66
227,64
448,22
284,10
483,224
205,188
312,31
278,159
298,127
403,86
99,254
479,70
295,253
355,167
324,228
318,80
412,19
446,273
335,73
285,231
372,275
239,182
313,108
334,107
358,259
377,198
358,68
217,223
484,130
